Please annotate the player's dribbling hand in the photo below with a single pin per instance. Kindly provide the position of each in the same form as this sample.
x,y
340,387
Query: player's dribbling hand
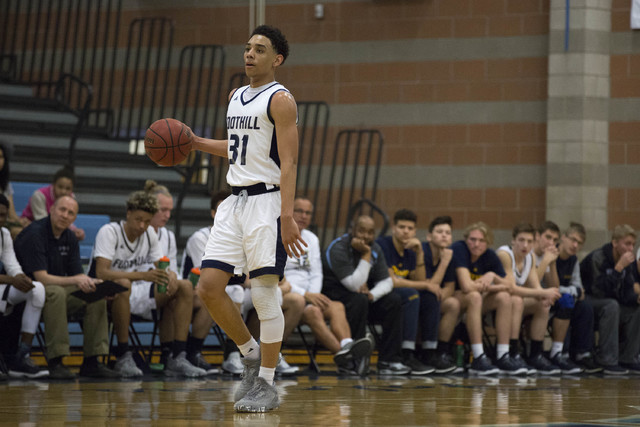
x,y
291,238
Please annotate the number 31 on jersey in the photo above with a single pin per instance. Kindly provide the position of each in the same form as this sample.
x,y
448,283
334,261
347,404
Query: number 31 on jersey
x,y
235,146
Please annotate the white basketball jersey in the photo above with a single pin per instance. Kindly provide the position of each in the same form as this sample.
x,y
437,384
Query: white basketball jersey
x,y
520,275
139,255
194,250
167,243
253,150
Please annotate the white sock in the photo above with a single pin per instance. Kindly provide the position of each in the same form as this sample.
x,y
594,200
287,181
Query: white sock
x,y
250,349
501,350
430,345
267,374
556,347
345,342
408,345
477,350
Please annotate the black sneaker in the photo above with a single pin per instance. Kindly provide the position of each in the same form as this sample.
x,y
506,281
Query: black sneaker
x,y
565,364
97,371
509,366
24,367
543,365
61,372
199,361
521,362
614,370
633,368
588,365
416,366
393,368
482,366
3,376
351,352
442,362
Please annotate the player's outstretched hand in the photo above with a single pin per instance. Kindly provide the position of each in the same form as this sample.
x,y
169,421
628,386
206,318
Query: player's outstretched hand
x,y
291,238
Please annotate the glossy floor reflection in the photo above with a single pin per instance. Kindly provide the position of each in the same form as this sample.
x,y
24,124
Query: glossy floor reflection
x,y
329,401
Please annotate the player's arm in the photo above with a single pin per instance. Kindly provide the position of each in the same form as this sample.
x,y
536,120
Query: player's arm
x,y
217,147
426,284
104,272
510,282
466,283
533,284
284,112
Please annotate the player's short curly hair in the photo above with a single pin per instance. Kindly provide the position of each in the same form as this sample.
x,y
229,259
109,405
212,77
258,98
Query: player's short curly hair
x,y
142,201
278,40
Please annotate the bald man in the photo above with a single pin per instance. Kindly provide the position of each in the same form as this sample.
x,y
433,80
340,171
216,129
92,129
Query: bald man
x,y
49,253
356,274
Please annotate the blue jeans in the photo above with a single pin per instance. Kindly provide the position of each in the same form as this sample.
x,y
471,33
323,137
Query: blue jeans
x,y
410,314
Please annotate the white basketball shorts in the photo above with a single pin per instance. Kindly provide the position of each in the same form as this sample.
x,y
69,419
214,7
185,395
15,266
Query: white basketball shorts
x,y
142,300
245,236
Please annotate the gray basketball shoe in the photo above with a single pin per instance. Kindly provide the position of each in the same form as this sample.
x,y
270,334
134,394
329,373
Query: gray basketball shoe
x,y
261,398
250,373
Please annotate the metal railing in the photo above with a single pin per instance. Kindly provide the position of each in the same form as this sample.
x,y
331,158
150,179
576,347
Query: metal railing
x,y
143,95
355,166
70,91
197,102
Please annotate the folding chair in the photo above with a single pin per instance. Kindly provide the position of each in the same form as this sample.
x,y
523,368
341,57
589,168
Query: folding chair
x,y
311,349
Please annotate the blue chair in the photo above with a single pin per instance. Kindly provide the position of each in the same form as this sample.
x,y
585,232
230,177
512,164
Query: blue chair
x,y
22,192
90,223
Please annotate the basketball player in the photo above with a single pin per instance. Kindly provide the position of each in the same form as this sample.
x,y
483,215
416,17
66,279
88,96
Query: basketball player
x,y
528,298
127,252
478,269
254,229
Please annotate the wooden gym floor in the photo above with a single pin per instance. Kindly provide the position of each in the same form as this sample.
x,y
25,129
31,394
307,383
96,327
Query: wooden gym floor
x,y
328,400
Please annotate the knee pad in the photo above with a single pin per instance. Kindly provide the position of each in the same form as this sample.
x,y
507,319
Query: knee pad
x,y
563,313
38,295
264,295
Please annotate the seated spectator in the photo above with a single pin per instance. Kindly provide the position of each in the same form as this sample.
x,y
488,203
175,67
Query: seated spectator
x,y
202,321
528,298
558,267
304,273
478,269
401,251
440,271
127,253
356,274
49,253
167,242
15,288
14,223
43,198
610,277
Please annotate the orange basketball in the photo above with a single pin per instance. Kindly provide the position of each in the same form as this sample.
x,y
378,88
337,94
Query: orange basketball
x,y
168,142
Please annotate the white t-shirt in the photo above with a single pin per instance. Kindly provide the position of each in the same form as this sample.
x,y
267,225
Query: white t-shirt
x,y
8,255
194,250
305,273
139,255
521,276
